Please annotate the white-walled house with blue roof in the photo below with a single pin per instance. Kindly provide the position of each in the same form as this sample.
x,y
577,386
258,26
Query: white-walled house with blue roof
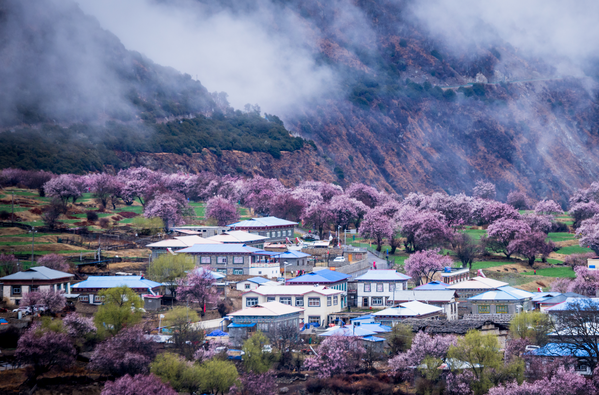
x,y
275,229
376,287
414,309
503,300
37,278
325,277
296,261
88,289
255,282
236,259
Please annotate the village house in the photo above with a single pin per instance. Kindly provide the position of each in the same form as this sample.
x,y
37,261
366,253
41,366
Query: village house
x,y
239,237
432,286
557,299
504,300
89,289
452,275
34,279
237,259
296,261
329,278
475,286
446,299
255,282
176,244
318,302
273,228
376,288
200,230
565,351
265,317
414,309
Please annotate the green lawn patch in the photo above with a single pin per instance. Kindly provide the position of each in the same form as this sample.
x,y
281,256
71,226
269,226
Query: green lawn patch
x,y
554,272
573,250
199,209
476,234
133,209
488,264
22,243
560,236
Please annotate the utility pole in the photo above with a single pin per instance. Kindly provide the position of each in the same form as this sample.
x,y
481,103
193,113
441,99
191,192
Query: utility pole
x,y
32,243
12,217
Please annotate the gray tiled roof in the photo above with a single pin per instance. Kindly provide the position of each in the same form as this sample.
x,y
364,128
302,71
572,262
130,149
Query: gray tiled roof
x,y
37,273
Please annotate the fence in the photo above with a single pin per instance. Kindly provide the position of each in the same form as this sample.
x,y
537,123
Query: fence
x,y
90,245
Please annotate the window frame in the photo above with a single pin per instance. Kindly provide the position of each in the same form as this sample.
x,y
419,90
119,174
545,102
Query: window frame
x,y
314,319
310,300
238,272
329,301
84,298
238,260
484,309
205,260
249,302
380,287
505,309
286,300
379,299
299,302
335,300
14,287
248,286
220,259
367,287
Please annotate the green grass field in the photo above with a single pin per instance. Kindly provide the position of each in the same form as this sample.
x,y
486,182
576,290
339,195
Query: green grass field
x,y
554,272
132,209
561,236
573,250
488,264
476,234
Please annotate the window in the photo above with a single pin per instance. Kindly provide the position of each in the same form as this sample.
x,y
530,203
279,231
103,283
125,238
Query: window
x,y
314,302
263,327
329,301
271,298
379,287
501,309
238,259
251,302
366,287
221,259
285,300
279,234
238,271
35,288
83,298
335,300
289,233
299,302
247,286
99,299
391,287
16,290
483,309
377,301
314,319
205,260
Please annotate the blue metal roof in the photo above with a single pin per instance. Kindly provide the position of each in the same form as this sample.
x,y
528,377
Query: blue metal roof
x,y
432,286
561,350
563,297
351,331
116,281
294,254
262,222
504,293
570,303
366,317
216,249
258,280
320,277
234,325
373,339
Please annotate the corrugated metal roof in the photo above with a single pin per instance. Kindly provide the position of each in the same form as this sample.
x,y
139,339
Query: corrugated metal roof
x,y
266,309
325,276
478,283
503,293
262,222
571,303
294,254
445,295
560,349
37,273
433,285
382,275
562,298
409,309
215,249
291,290
258,280
100,282
181,242
236,236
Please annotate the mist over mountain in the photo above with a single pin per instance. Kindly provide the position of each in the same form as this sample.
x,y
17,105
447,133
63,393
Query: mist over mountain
x,y
403,95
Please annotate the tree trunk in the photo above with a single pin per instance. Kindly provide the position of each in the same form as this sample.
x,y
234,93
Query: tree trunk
x,y
531,261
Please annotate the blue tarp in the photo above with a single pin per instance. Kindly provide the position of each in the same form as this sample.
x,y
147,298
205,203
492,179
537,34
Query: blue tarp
x,y
241,325
311,325
218,333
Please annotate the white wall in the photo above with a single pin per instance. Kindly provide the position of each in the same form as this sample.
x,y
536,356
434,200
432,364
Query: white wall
x,y
246,286
66,287
386,293
270,272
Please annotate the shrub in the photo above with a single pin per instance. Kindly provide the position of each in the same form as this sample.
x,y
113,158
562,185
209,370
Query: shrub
x,y
92,216
104,223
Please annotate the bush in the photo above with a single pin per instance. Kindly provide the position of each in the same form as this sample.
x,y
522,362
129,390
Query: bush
x,y
4,215
92,216
104,223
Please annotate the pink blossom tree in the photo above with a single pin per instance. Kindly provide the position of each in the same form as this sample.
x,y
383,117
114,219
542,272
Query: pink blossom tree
x,y
258,192
422,265
423,345
169,206
55,262
529,245
575,260
198,286
497,210
43,349
582,211
586,281
102,186
177,182
307,196
484,190
51,301
564,382
78,326
423,229
588,232
548,207
36,180
137,385
502,232
456,209
198,186
64,187
376,226
318,215
561,285
336,355
286,205
205,353
326,190
138,183
364,193
518,200
539,223
129,352
8,264
221,210
346,210
258,384
459,383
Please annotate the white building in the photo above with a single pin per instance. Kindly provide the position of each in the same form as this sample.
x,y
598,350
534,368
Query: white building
x,y
255,282
414,309
175,244
34,279
317,302
376,287
446,299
